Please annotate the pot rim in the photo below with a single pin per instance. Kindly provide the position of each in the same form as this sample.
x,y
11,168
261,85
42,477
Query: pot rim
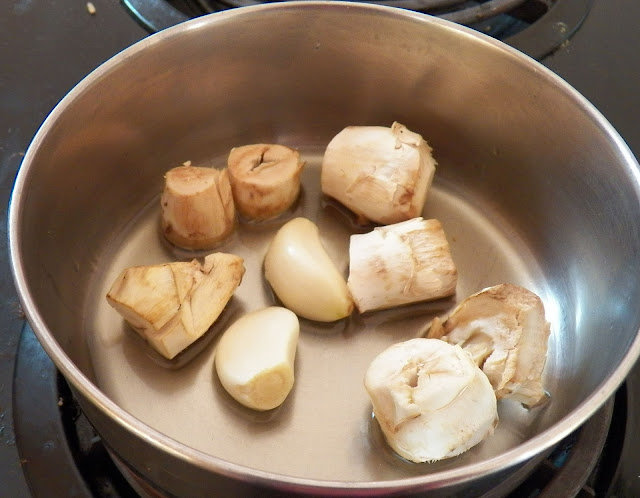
x,y
459,475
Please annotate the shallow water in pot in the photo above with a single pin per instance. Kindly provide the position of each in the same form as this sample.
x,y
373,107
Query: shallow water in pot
x,y
324,430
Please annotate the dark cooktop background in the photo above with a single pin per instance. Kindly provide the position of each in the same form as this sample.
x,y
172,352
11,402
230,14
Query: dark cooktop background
x,y
47,46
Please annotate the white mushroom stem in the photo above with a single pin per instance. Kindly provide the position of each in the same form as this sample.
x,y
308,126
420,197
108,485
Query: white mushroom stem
x,y
265,179
400,264
504,329
197,207
381,174
303,276
430,399
255,357
172,305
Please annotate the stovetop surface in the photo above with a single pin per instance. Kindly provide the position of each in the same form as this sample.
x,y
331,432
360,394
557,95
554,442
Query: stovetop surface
x,y
47,46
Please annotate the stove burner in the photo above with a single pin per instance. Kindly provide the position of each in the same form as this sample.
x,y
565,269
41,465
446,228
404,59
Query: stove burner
x,y
461,11
536,27
62,455
60,452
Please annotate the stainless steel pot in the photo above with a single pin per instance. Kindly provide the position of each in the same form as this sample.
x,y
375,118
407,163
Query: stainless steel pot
x,y
533,187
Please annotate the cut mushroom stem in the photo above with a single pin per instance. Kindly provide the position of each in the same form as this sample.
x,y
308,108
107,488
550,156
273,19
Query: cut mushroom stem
x,y
265,179
197,207
172,305
381,174
430,399
504,330
400,264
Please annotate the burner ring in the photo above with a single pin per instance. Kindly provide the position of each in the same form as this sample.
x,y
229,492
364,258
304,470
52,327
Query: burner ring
x,y
535,27
61,450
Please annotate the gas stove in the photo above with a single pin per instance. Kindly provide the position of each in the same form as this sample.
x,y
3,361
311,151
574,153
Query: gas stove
x,y
47,447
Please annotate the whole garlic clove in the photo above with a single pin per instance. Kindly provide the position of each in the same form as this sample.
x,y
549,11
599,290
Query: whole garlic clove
x,y
431,400
172,305
255,357
265,179
381,174
505,331
197,207
399,264
303,276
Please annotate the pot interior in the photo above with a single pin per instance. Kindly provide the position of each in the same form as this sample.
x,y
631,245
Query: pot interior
x,y
532,187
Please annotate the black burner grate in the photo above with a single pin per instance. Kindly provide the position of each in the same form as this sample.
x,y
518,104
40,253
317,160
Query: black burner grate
x,y
522,12
536,27
461,11
581,465
62,455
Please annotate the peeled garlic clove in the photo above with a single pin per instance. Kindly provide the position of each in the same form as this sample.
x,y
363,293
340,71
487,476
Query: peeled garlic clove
x,y
303,276
504,329
381,174
265,179
255,357
172,305
430,399
197,207
400,264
